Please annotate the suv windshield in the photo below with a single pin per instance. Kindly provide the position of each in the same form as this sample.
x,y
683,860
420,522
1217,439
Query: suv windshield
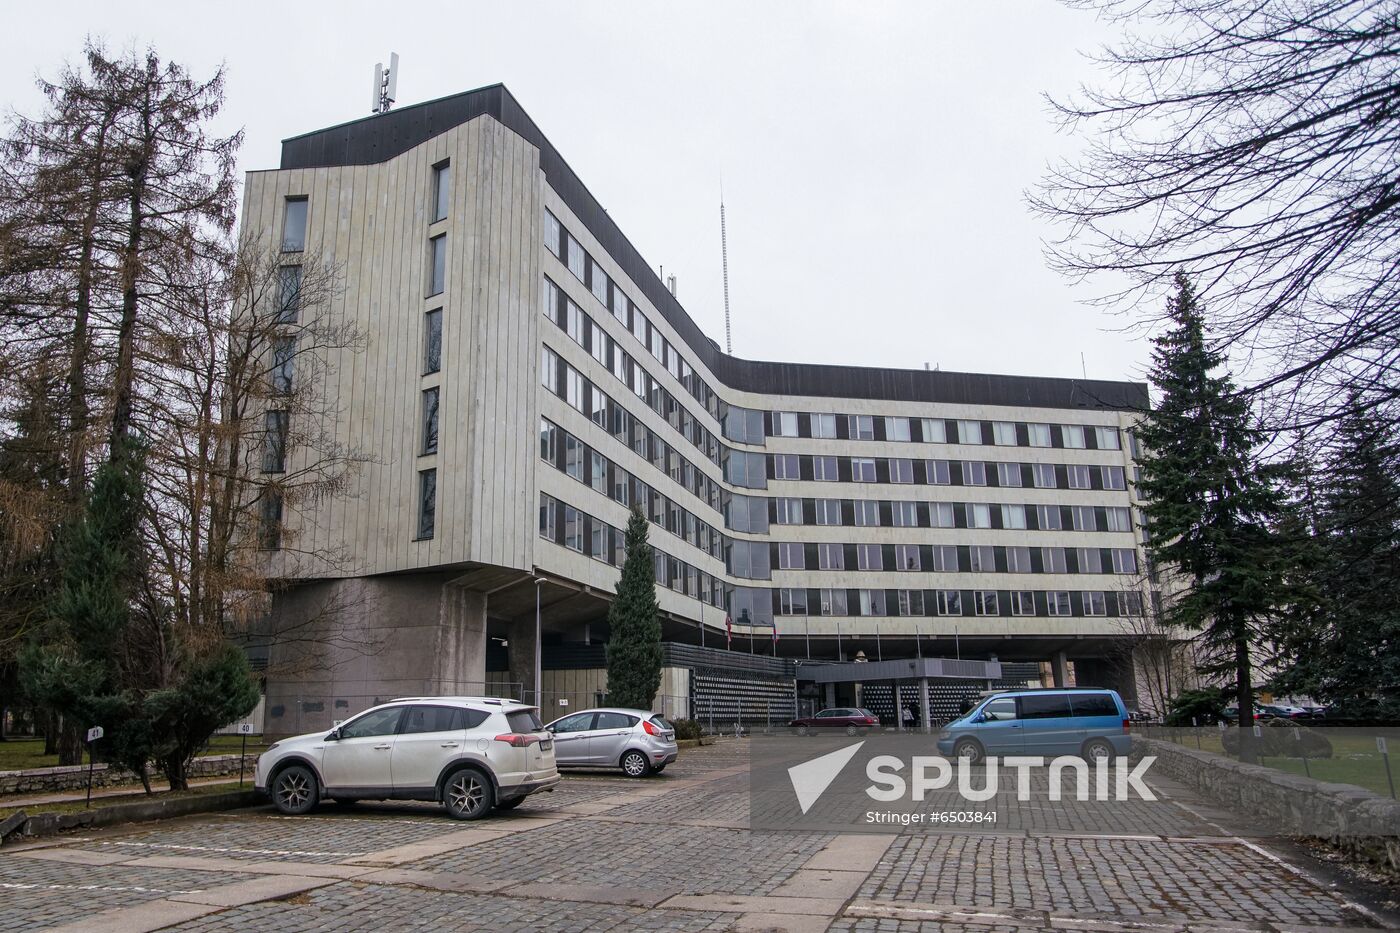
x,y
524,720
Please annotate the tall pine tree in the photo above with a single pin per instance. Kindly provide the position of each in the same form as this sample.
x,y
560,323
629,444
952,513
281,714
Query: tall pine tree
x,y
634,643
1211,505
1346,651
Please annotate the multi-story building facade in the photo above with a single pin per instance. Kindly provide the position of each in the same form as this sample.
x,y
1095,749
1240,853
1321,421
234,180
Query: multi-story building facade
x,y
528,379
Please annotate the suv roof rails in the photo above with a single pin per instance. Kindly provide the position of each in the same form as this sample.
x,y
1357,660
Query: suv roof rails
x,y
475,699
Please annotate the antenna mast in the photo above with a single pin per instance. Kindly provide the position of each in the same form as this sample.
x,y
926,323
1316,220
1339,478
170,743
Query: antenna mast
x,y
724,258
386,85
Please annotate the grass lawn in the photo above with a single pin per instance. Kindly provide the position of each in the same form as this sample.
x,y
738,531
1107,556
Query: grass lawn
x,y
1354,759
23,754
80,805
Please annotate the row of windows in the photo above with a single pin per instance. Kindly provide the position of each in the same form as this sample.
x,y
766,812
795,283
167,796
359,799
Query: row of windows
x,y
746,514
900,470
567,383
755,560
920,430
578,531
880,513
866,602
565,525
753,427
609,294
950,558
581,328
573,457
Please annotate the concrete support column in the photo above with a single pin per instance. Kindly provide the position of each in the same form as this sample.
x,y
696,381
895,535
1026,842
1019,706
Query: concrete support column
x,y
923,705
522,647
1059,669
830,696
460,661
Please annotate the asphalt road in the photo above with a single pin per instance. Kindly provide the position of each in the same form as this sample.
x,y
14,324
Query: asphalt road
x,y
672,852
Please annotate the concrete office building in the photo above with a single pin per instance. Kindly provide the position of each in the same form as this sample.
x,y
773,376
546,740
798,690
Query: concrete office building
x,y
528,378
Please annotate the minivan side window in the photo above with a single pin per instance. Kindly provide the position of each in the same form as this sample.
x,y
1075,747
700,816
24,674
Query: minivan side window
x,y
1045,706
1094,704
1001,710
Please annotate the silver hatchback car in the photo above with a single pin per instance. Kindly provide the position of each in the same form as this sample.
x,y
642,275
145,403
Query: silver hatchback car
x,y
635,740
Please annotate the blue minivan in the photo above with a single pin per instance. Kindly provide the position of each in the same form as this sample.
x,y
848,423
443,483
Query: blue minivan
x,y
1049,723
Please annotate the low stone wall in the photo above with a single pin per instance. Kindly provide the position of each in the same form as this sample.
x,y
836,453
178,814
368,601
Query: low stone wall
x,y
1363,825
74,777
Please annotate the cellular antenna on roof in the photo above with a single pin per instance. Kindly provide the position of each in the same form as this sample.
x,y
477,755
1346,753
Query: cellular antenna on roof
x,y
386,85
724,260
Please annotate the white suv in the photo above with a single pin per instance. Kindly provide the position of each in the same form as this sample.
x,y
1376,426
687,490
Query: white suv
x,y
470,753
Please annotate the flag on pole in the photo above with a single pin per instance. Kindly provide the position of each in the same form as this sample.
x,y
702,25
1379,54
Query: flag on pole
x,y
775,631
728,633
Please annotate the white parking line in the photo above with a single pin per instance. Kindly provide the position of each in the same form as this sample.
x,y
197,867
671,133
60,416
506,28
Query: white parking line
x,y
19,886
217,849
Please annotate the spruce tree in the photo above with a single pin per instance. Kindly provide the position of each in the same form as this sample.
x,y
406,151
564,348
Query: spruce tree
x,y
634,643
1212,506
1347,651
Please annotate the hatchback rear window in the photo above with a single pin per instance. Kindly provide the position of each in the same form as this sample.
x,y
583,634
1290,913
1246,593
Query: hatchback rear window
x,y
661,722
1094,704
524,720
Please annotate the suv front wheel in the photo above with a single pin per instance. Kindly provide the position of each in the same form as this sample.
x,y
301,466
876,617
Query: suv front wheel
x,y
467,794
295,790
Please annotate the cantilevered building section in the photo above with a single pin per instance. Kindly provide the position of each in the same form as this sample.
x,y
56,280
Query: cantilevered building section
x,y
528,379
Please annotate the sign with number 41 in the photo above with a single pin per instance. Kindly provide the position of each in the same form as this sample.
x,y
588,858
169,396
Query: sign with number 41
x,y
94,733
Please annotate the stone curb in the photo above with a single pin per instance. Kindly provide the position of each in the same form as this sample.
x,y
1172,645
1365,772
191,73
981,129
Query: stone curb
x,y
44,824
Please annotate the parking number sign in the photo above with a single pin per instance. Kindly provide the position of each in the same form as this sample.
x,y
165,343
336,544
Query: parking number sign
x,y
94,733
245,728
1380,744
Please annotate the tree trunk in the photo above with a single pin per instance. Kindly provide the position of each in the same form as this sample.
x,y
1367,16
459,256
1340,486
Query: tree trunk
x,y
49,723
70,742
175,773
1245,698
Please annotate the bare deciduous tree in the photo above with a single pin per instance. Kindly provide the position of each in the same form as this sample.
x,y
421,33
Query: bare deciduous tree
x,y
1251,144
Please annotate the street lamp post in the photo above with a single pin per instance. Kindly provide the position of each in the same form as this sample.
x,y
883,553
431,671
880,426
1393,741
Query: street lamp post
x,y
539,648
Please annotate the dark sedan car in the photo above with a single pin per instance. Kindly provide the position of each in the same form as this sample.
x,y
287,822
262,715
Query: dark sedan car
x,y
846,718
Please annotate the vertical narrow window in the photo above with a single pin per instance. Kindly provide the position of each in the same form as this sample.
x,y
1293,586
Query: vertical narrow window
x,y
432,341
294,225
284,353
548,440
573,457
442,189
438,256
289,297
575,257
549,370
599,285
270,519
275,424
551,301
427,503
546,517
552,233
430,420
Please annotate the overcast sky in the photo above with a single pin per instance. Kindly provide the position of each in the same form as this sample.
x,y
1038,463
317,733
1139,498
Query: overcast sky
x,y
874,155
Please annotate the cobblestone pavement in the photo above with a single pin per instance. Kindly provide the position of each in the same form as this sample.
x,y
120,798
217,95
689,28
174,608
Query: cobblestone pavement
x,y
673,852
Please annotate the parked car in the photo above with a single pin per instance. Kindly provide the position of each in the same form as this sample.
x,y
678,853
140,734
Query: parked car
x,y
1063,721
848,719
472,754
635,740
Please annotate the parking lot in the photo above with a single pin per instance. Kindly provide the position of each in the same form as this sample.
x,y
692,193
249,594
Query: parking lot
x,y
671,852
